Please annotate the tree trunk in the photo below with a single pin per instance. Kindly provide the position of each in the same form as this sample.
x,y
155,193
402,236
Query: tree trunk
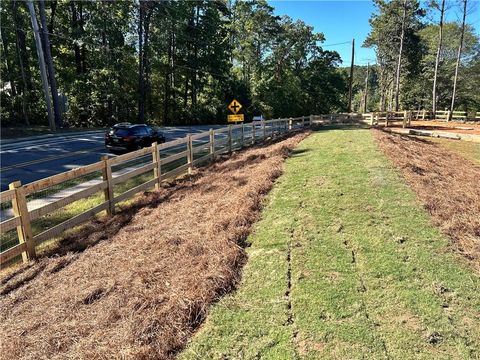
x,y
437,59
365,100
146,58
172,82
168,78
195,57
41,63
141,85
50,67
19,24
83,51
400,51
185,92
20,63
459,55
53,7
383,88
76,48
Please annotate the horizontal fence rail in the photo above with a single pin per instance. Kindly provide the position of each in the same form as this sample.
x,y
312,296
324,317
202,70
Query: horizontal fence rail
x,y
109,177
374,118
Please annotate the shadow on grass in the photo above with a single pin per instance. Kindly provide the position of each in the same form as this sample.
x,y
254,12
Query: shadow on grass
x,y
329,127
298,152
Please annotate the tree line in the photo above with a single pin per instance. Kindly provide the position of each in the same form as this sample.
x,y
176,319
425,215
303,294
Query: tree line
x,y
162,62
422,60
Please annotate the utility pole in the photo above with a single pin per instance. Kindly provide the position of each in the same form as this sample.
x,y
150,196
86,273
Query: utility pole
x,y
51,70
351,78
41,64
366,90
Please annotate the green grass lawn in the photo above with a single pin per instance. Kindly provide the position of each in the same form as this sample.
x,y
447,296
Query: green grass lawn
x,y
345,264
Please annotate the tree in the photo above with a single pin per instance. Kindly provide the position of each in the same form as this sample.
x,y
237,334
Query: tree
x,y
439,49
400,53
446,70
165,62
41,64
50,67
459,55
394,36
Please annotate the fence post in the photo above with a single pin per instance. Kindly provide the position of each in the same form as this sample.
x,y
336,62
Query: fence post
x,y
229,138
108,192
290,121
253,132
449,114
243,135
303,122
310,122
423,114
371,119
24,230
189,153
212,144
157,170
405,118
264,130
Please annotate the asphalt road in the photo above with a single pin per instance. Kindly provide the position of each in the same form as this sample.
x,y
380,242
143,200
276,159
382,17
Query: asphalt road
x,y
34,159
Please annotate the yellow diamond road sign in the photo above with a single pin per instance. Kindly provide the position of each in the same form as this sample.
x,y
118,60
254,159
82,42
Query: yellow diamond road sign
x,y
234,106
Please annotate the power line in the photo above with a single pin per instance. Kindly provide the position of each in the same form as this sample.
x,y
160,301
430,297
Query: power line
x,y
342,43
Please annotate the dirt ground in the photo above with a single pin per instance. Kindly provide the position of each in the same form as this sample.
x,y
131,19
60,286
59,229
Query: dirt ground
x,y
446,183
137,285
452,126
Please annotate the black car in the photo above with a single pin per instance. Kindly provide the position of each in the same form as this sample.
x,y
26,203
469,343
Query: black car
x,y
127,137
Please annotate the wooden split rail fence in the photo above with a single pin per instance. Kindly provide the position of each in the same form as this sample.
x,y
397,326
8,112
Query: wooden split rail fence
x,y
375,118
168,161
388,116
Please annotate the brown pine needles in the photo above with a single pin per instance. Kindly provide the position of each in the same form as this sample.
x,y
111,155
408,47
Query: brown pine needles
x,y
446,183
137,285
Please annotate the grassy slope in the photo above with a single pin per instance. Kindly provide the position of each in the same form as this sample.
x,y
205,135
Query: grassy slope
x,y
370,277
468,149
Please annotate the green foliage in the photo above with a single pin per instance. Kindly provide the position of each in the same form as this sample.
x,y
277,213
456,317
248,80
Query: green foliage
x,y
358,87
418,59
385,34
197,56
466,99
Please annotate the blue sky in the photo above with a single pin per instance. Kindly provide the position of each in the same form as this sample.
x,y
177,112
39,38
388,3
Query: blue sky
x,y
343,20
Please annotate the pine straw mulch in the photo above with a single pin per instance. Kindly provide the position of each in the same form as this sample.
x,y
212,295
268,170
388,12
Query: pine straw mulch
x,y
141,289
446,183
